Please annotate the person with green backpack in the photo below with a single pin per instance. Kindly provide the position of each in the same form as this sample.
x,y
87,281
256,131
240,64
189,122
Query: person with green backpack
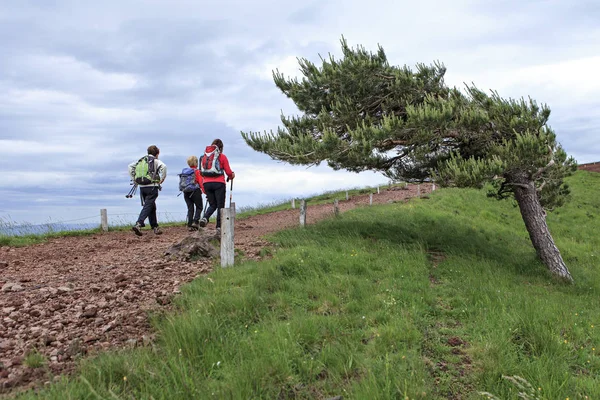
x,y
148,173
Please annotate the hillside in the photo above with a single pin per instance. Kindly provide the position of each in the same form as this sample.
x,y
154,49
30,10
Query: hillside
x,y
442,298
80,295
591,167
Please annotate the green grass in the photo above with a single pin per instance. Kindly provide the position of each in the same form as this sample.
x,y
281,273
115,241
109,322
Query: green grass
x,y
34,359
431,299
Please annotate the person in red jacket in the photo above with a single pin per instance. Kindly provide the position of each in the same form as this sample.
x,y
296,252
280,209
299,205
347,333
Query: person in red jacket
x,y
213,170
194,199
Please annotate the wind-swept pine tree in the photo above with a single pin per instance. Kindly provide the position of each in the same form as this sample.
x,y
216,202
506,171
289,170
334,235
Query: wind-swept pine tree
x,y
361,113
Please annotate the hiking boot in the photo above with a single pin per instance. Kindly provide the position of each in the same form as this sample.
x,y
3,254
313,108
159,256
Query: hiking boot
x,y
157,231
137,229
195,225
218,232
203,222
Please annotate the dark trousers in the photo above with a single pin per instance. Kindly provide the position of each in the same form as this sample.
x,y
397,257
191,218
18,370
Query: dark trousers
x,y
148,195
193,200
215,194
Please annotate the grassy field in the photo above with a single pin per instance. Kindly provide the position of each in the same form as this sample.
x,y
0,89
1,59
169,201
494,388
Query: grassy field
x,y
432,299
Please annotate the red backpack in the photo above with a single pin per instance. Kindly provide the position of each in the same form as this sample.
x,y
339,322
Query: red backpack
x,y
209,163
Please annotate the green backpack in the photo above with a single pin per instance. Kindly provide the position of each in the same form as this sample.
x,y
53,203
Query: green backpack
x,y
146,172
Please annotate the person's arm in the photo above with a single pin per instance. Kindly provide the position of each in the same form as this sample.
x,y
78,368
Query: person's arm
x,y
131,169
226,167
162,172
199,179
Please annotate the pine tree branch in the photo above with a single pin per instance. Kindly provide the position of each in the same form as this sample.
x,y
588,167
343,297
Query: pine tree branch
x,y
393,143
541,170
539,189
383,76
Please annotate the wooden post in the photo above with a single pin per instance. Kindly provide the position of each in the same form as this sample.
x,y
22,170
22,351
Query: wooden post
x,y
377,189
370,199
347,197
303,213
336,208
433,187
227,243
104,220
293,203
419,190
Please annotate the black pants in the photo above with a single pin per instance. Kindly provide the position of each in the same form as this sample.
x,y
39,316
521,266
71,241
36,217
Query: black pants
x,y
193,199
148,195
215,194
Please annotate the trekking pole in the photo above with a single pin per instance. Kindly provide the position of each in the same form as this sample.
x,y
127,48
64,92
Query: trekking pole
x,y
205,205
132,191
230,193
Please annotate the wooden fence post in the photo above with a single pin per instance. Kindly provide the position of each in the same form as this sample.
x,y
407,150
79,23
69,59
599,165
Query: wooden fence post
x,y
104,220
370,199
377,189
227,235
293,203
419,190
303,213
347,197
336,208
433,187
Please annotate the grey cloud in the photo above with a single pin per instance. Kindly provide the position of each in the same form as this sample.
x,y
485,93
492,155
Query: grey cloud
x,y
306,15
577,135
552,24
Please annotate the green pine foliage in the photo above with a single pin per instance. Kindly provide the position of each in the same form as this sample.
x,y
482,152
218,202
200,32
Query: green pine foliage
x,y
361,113
343,103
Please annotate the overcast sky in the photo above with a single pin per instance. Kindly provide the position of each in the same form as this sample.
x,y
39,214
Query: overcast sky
x,y
88,85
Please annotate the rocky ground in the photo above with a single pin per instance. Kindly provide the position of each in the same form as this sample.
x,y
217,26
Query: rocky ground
x,y
74,296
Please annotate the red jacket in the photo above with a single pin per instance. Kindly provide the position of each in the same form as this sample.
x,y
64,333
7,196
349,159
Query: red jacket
x,y
198,178
224,162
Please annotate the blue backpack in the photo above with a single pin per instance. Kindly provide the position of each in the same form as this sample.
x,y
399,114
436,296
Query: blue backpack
x,y
187,180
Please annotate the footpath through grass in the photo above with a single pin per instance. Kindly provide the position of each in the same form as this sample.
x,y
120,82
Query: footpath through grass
x,y
431,299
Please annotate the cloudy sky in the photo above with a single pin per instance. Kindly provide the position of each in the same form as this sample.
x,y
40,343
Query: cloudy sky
x,y
88,85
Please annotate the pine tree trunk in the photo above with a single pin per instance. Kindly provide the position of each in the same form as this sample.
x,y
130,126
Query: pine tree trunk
x,y
534,217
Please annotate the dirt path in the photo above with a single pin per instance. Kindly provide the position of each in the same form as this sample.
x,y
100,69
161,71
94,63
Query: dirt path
x,y
74,296
592,167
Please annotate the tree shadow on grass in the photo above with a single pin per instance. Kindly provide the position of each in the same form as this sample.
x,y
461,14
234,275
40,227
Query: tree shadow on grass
x,y
449,235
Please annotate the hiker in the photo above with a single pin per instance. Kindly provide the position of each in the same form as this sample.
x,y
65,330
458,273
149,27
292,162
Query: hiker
x,y
190,184
213,167
148,173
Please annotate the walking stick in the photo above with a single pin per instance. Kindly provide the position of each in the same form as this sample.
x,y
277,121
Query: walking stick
x,y
230,193
205,205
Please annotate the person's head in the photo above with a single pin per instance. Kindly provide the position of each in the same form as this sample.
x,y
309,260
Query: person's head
x,y
218,143
153,151
192,161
